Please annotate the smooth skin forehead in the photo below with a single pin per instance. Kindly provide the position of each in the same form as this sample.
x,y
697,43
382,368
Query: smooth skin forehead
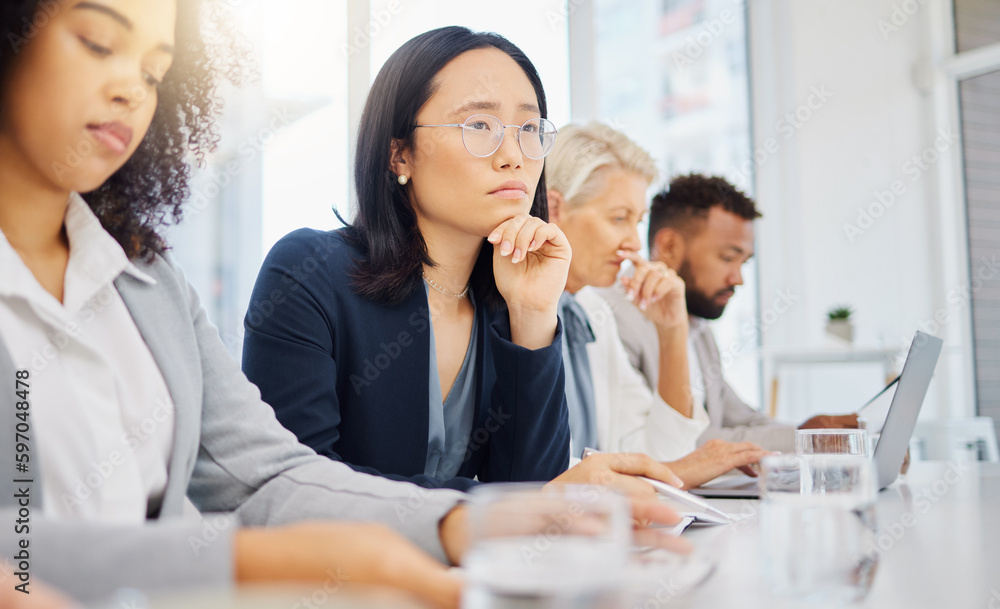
x,y
481,81
722,230
152,21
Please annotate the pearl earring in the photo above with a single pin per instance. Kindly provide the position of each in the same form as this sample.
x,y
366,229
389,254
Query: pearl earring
x,y
402,180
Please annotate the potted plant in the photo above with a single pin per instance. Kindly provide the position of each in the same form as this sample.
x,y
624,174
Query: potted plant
x,y
839,322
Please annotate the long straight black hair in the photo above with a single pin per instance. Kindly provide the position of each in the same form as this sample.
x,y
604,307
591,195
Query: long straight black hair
x,y
385,228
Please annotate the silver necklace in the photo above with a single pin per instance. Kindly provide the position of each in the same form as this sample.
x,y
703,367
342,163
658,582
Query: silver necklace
x,y
444,291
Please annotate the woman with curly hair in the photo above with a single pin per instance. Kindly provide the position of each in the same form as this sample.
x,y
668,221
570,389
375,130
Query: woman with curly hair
x,y
128,411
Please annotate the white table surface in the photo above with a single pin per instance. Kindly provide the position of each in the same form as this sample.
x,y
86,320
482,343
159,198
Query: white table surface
x,y
948,556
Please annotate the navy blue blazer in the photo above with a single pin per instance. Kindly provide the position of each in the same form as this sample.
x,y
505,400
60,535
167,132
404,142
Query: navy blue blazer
x,y
349,376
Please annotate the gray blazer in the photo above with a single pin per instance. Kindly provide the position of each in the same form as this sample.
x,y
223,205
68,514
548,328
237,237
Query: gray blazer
x,y
730,418
230,456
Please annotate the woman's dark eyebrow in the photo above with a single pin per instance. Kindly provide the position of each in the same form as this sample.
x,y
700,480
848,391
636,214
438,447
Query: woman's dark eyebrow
x,y
492,106
476,105
106,10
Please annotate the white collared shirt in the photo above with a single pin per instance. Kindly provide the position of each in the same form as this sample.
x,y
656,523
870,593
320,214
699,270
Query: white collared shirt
x,y
102,420
630,416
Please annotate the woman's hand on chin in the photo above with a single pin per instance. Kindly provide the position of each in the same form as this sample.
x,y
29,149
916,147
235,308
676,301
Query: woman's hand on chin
x,y
530,263
658,292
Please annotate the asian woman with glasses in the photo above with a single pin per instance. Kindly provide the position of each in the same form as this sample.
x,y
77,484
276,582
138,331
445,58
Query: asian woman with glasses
x,y
422,341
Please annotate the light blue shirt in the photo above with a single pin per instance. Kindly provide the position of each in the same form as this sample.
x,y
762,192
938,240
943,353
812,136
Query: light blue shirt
x,y
450,421
579,377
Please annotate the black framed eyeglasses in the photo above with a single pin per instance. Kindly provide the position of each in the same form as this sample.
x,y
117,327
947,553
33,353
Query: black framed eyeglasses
x,y
482,135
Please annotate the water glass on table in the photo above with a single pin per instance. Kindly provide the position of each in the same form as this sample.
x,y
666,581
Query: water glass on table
x,y
873,434
543,548
831,441
817,526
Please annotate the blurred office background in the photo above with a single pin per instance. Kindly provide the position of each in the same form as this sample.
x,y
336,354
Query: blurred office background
x,y
867,130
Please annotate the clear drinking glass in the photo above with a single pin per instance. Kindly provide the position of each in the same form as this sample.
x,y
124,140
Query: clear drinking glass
x,y
831,441
535,548
874,433
817,526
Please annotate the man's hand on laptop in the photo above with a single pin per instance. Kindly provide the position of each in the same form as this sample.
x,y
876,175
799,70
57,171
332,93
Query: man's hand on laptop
x,y
714,458
828,421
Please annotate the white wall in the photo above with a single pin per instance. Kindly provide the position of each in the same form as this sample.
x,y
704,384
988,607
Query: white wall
x,y
868,119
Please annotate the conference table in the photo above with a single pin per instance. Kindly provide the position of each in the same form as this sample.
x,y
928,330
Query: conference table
x,y
939,545
939,542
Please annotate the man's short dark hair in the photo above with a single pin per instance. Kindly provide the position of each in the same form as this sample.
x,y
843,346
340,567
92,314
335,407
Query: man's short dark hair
x,y
690,197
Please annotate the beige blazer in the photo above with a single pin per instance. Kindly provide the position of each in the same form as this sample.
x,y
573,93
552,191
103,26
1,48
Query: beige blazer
x,y
730,418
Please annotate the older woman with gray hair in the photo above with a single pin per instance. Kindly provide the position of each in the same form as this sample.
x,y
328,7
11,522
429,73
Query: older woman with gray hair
x,y
597,180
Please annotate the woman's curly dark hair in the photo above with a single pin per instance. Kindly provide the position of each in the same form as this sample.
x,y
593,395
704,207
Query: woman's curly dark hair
x,y
152,187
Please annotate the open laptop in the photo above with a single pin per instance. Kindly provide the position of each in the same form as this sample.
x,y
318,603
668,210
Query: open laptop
x,y
896,431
